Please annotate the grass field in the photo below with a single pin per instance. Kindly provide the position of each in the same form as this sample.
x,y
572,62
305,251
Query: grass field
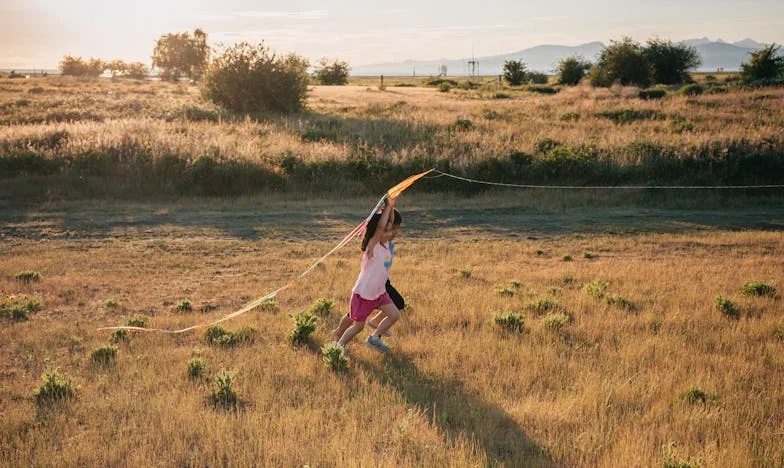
x,y
544,327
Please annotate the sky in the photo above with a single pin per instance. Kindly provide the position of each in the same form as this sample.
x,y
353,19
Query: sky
x,y
38,33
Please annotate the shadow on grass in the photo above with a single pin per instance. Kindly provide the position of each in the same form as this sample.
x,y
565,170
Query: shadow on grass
x,y
457,411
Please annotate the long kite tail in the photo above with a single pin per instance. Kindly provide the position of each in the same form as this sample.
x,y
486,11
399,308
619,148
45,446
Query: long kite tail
x,y
393,192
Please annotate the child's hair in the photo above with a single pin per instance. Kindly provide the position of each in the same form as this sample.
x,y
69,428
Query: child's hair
x,y
373,224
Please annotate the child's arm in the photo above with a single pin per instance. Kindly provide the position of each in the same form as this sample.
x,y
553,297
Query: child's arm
x,y
381,226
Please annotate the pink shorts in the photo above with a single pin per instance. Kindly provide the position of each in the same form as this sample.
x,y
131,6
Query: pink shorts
x,y
360,308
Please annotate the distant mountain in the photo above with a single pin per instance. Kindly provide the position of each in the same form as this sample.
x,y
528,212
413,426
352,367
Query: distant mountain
x,y
544,58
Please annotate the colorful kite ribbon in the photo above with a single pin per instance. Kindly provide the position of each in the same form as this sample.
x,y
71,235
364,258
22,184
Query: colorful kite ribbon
x,y
393,192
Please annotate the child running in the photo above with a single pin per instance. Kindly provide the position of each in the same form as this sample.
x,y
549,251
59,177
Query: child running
x,y
370,291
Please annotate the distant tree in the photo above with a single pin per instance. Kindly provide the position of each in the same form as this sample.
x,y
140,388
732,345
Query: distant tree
x,y
514,72
136,70
537,78
764,64
571,70
117,67
75,66
335,73
181,54
624,62
248,78
671,63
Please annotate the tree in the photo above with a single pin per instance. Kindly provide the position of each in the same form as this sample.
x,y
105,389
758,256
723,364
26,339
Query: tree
x,y
335,73
75,66
514,72
764,64
623,62
249,78
671,63
571,70
181,54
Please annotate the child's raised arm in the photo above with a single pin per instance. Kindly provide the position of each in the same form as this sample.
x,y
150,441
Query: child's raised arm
x,y
381,226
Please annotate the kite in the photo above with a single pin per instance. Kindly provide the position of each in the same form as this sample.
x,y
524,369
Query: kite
x,y
393,192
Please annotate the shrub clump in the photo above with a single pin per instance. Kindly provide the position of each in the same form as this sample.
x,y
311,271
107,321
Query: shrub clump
x,y
224,395
138,321
184,306
304,326
120,336
758,288
726,307
510,322
216,335
334,358
543,305
197,368
626,116
104,355
54,388
596,289
248,78
621,302
696,395
28,276
19,307
322,307
649,94
692,89
556,321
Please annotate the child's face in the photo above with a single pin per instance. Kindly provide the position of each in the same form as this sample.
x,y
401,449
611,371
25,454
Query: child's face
x,y
391,231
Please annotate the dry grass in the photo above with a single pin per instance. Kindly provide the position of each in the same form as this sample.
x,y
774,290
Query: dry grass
x,y
610,388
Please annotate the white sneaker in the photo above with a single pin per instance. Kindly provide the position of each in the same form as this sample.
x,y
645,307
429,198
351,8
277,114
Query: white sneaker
x,y
377,343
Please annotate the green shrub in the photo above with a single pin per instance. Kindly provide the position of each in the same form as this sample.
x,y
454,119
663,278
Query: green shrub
x,y
589,255
28,276
444,87
464,273
758,288
621,302
692,89
543,305
567,258
54,388
556,321
138,321
335,73
216,335
304,326
111,303
626,116
596,289
542,89
184,306
440,81
648,94
570,117
545,145
322,307
104,355
197,368
334,358
248,78
696,395
224,395
501,96
538,78
510,322
779,332
463,124
120,336
270,305
503,291
726,307
19,307
671,460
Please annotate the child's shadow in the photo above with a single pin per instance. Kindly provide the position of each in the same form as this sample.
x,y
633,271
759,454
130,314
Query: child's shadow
x,y
456,411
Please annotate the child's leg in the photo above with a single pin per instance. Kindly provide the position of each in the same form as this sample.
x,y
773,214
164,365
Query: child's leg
x,y
350,333
375,320
345,322
392,315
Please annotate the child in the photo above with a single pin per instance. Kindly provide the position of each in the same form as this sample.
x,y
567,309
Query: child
x,y
369,292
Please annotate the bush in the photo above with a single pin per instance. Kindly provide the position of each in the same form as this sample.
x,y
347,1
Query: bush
x,y
216,335
648,94
539,89
28,276
335,73
571,70
138,321
556,321
621,302
596,289
120,336
196,368
304,326
54,388
19,307
537,78
503,291
671,62
333,357
464,273
463,125
625,116
104,355
624,62
696,395
510,322
184,306
692,89
757,288
224,395
249,78
726,307
444,87
322,307
542,305
764,64
588,255
567,258
514,72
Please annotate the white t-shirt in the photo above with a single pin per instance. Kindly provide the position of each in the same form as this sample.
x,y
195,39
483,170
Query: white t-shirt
x,y
373,274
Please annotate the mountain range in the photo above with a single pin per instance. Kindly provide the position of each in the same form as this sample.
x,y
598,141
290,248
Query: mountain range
x,y
544,58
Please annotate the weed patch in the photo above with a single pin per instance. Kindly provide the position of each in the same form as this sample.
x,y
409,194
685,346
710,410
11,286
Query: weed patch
x,y
726,307
29,277
758,288
19,307
556,321
542,306
322,307
333,357
509,321
197,368
224,396
596,289
627,116
104,355
304,326
55,388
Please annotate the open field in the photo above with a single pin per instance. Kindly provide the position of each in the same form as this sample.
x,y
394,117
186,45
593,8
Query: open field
x,y
657,374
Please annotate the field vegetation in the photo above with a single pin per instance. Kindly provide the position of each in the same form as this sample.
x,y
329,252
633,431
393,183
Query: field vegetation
x,y
542,327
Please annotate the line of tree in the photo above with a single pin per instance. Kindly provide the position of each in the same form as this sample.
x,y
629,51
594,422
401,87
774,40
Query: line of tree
x,y
332,73
76,66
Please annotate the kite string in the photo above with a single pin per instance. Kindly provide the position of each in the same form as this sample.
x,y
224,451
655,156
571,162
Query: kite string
x,y
600,187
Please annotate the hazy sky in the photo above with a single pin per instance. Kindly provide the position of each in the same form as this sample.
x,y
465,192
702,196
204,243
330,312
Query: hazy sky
x,y
38,33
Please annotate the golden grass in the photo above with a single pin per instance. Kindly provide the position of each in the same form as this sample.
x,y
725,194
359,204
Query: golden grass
x,y
608,389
